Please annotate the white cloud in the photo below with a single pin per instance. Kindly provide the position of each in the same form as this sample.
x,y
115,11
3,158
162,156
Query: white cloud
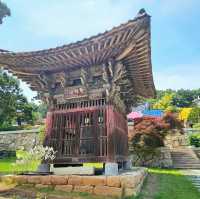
x,y
77,19
181,76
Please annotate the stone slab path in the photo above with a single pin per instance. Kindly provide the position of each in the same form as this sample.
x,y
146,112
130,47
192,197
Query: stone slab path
x,y
194,176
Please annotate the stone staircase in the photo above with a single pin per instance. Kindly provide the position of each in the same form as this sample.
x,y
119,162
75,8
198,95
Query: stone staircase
x,y
185,158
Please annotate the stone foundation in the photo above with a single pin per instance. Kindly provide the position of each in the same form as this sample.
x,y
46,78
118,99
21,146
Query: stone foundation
x,y
175,139
161,159
125,184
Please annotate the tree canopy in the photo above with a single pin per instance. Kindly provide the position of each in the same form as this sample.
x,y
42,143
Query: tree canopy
x,y
4,11
14,107
170,99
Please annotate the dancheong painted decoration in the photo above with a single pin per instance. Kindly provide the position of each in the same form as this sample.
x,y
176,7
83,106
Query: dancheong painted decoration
x,y
89,87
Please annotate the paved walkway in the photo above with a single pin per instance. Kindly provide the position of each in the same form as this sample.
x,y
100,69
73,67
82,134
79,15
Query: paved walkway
x,y
194,176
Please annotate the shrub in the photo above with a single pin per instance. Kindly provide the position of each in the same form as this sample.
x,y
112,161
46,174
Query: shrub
x,y
195,140
194,115
196,126
30,160
172,121
149,134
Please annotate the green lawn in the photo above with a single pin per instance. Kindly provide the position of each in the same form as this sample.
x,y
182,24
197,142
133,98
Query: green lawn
x,y
168,184
6,165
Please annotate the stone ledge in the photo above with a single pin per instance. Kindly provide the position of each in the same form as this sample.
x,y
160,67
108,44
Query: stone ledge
x,y
108,191
126,184
66,188
94,180
85,188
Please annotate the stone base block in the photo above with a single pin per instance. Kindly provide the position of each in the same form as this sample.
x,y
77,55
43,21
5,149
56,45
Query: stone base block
x,y
66,188
72,170
108,191
111,169
86,188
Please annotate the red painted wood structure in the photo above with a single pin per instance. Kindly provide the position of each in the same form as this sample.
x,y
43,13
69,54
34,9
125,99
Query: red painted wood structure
x,y
94,132
89,87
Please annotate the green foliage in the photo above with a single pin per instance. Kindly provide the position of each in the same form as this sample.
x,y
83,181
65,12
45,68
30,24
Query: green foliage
x,y
185,98
180,99
42,134
4,11
165,103
196,126
194,115
195,140
13,105
42,110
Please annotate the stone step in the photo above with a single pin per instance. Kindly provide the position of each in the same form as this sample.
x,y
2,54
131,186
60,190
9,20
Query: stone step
x,y
186,167
185,159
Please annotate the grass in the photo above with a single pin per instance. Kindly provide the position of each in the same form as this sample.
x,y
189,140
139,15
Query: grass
x,y
6,165
168,184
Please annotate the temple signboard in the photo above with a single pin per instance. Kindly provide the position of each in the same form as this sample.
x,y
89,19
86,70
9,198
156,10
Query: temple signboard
x,y
74,92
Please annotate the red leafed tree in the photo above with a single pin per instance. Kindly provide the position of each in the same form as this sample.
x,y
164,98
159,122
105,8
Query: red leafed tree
x,y
149,134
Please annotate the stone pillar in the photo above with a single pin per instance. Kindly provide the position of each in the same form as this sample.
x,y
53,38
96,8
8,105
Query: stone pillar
x,y
128,165
111,169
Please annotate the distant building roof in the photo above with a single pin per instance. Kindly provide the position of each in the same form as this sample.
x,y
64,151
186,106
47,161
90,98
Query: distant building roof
x,y
153,113
134,115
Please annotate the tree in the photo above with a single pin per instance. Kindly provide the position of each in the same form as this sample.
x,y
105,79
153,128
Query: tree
x,y
184,114
9,93
149,134
194,115
13,105
42,109
4,11
165,103
185,98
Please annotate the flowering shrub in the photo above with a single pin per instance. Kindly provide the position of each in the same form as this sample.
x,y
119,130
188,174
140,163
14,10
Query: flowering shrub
x,y
29,161
184,114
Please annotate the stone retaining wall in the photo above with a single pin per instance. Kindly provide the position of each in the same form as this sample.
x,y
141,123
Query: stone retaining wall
x,y
125,184
161,159
14,140
175,139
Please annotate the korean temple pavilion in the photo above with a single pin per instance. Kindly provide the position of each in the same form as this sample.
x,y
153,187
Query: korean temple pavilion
x,y
89,87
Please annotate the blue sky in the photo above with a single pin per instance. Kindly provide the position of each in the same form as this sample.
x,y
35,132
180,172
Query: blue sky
x,y
40,24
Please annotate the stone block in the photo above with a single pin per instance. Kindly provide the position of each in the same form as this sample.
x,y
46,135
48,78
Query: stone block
x,y
85,188
45,180
72,170
8,179
21,179
94,180
59,180
128,192
75,180
130,181
108,191
113,181
41,186
34,179
111,169
66,188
